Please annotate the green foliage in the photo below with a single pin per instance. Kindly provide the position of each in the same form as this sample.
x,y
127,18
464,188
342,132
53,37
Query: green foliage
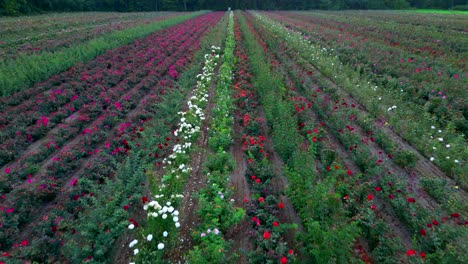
x,y
15,7
405,159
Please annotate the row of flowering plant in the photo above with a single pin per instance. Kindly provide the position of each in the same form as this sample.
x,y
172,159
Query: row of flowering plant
x,y
48,34
215,208
25,189
381,102
266,208
162,215
53,229
339,116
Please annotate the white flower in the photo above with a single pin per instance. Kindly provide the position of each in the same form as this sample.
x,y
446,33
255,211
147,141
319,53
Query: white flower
x,y
447,146
177,224
135,251
133,243
164,216
149,237
131,226
440,139
176,213
456,161
432,127
165,234
447,157
432,159
160,246
175,219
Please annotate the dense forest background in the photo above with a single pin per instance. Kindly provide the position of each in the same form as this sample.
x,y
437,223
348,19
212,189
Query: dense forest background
x,y
16,7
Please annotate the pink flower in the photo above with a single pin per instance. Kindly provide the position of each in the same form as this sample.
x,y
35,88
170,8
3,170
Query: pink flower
x,y
10,210
73,182
7,170
43,120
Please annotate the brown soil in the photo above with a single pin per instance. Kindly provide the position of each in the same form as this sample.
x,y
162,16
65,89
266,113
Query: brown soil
x,y
196,181
242,233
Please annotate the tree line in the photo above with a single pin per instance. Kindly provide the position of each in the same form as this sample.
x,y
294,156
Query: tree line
x,y
16,7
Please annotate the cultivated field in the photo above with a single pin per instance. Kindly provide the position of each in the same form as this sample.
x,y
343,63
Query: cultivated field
x,y
238,137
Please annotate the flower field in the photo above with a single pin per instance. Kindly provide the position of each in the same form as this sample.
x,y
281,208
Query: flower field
x,y
234,137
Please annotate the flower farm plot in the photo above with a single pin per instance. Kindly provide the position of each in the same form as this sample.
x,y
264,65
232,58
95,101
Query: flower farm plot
x,y
237,137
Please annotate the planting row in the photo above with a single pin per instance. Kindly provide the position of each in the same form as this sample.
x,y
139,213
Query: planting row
x,y
442,142
49,34
25,71
86,162
431,80
375,165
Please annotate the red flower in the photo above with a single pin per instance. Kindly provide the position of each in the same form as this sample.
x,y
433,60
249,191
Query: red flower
x,y
125,207
337,167
370,197
135,223
429,225
253,177
422,232
411,252
290,252
349,172
281,205
455,215
378,188
314,139
422,255
275,223
391,196
373,207
24,243
266,235
328,168
435,222
257,180
411,200
261,199
284,260
346,197
144,199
